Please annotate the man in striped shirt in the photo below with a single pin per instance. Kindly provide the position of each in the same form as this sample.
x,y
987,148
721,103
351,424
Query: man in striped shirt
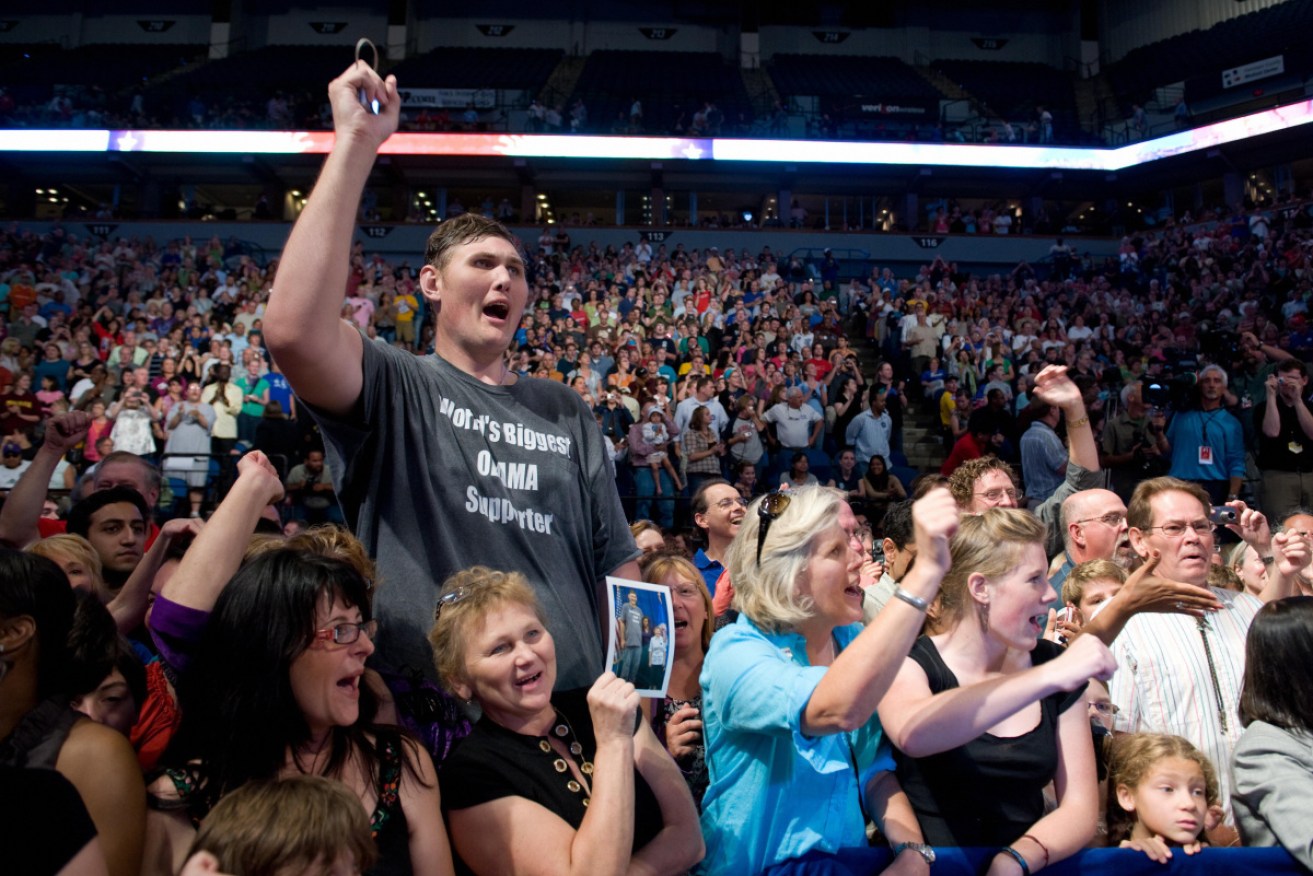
x,y
1178,673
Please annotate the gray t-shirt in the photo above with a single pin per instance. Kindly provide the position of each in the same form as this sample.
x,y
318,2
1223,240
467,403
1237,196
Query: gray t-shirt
x,y
437,472
631,617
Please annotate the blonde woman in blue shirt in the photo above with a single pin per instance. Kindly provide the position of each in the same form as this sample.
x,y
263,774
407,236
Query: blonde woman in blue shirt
x,y
794,749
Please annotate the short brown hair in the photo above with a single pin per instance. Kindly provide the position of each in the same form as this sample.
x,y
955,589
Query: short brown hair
x,y
484,589
962,482
1138,513
267,828
463,229
1087,573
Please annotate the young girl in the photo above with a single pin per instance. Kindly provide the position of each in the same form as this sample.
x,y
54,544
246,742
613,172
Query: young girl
x,y
656,434
1160,790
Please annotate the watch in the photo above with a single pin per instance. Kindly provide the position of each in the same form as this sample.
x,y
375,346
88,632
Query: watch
x,y
926,852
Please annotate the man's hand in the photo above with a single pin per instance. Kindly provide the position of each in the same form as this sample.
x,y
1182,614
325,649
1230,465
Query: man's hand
x,y
351,119
1251,526
1291,551
66,431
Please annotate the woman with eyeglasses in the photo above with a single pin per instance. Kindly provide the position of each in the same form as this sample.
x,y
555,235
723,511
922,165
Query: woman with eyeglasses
x,y
271,682
794,750
985,714
568,782
677,719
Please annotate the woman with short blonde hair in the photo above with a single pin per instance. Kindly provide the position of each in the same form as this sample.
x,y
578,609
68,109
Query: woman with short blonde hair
x,y
520,787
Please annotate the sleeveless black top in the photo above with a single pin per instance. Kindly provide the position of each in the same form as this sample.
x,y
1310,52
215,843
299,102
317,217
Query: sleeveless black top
x,y
989,791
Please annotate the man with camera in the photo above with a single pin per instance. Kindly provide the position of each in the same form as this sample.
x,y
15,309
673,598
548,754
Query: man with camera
x,y
1134,445
1285,441
1206,441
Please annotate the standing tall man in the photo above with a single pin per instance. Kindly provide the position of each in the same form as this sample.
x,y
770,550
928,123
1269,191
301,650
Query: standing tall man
x,y
449,460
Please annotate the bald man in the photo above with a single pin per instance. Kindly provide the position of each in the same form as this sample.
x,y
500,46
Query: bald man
x,y
1093,528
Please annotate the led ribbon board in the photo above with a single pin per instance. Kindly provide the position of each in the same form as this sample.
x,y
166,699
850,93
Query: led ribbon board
x,y
675,148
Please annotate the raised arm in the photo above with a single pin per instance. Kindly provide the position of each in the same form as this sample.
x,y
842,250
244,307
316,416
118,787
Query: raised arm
x,y
847,695
22,509
217,552
922,723
319,353
1052,385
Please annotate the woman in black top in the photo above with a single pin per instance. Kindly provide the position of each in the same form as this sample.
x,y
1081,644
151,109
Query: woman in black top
x,y
557,781
983,715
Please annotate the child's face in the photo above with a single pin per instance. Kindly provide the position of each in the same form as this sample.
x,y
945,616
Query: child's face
x,y
1170,802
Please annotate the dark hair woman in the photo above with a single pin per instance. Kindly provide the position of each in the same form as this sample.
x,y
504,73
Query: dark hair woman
x,y
275,689
1274,757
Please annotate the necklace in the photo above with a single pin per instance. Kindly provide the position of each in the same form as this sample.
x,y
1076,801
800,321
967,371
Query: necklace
x,y
565,732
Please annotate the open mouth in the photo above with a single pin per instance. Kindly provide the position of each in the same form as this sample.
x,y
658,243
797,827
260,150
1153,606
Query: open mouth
x,y
1038,622
681,624
528,682
350,684
499,310
853,591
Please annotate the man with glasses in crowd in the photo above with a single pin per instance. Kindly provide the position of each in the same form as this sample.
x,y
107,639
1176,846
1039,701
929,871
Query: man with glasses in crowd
x,y
1093,528
718,510
1180,673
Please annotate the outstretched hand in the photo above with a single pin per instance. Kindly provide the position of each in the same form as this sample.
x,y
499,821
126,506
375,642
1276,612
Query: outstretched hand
x,y
1145,591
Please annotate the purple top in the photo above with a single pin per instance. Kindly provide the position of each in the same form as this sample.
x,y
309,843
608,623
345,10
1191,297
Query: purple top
x,y
176,630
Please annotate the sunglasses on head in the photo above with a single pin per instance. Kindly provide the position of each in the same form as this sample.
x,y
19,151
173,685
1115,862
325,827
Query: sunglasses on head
x,y
772,505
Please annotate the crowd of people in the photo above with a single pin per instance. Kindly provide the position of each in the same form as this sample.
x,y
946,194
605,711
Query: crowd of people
x,y
270,552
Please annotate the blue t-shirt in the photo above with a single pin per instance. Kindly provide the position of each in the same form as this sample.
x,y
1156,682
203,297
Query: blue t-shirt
x,y
279,390
776,793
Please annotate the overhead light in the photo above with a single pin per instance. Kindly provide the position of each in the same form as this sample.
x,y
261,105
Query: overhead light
x,y
296,193
541,196
40,191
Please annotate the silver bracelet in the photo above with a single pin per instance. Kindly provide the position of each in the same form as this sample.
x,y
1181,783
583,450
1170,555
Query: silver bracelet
x,y
915,601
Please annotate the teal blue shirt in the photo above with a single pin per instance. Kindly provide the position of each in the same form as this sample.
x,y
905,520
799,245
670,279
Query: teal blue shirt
x,y
776,793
